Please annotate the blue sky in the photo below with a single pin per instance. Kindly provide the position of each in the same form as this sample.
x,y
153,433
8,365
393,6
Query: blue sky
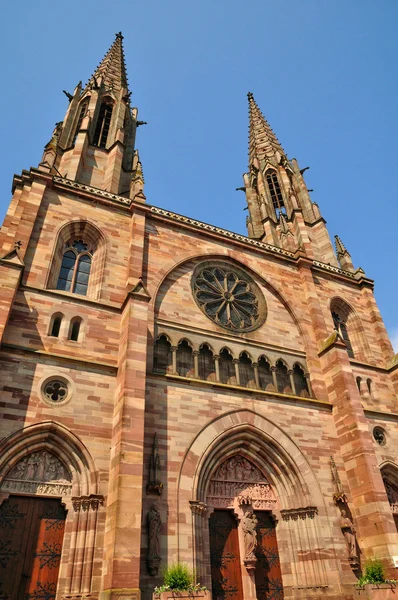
x,y
324,74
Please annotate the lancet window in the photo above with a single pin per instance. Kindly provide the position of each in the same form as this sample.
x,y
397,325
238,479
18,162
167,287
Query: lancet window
x,y
246,371
185,367
82,114
227,368
163,357
300,381
264,373
341,326
75,268
282,376
207,369
275,192
103,124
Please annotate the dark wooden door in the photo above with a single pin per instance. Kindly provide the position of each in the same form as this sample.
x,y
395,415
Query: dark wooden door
x,y
31,535
225,559
268,576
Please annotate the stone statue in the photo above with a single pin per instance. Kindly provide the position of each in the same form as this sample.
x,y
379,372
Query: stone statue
x,y
349,531
249,525
154,524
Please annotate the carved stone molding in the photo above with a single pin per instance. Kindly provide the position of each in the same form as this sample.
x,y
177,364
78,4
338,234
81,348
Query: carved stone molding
x,y
84,503
294,514
39,473
198,508
238,479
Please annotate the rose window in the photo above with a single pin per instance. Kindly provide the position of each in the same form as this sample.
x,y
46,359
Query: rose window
x,y
229,297
56,391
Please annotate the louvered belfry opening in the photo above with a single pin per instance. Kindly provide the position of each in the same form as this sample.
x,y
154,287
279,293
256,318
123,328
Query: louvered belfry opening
x,y
206,364
227,368
264,373
275,192
341,327
300,381
185,366
82,114
162,362
246,371
282,376
103,124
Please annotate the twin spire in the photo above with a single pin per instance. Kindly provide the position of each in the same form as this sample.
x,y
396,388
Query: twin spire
x,y
112,68
262,140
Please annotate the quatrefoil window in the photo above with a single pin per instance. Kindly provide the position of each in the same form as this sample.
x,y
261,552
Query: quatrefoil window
x,y
56,391
229,297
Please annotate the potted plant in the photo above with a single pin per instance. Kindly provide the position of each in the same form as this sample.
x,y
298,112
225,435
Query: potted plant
x,y
373,585
179,582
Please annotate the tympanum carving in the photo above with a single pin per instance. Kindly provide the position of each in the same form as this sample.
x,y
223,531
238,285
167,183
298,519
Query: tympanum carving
x,y
237,478
39,473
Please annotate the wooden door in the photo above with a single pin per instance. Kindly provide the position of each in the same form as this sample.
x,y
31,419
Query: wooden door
x,y
224,555
267,576
31,535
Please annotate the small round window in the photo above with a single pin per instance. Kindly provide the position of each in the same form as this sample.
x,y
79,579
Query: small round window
x,y
56,390
228,296
380,436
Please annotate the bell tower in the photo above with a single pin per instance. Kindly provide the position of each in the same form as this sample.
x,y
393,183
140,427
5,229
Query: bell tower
x,y
281,211
94,144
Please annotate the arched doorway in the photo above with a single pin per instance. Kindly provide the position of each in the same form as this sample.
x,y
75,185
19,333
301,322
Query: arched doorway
x,y
48,513
32,527
390,479
243,544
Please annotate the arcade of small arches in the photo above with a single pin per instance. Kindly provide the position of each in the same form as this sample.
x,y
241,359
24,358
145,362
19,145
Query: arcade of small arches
x,y
202,363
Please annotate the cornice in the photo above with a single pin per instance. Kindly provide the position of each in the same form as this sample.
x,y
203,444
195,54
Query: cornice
x,y
358,277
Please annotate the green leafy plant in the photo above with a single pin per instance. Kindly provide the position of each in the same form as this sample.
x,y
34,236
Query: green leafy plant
x,y
374,572
178,577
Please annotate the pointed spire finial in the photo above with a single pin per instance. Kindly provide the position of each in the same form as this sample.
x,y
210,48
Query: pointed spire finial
x,y
112,68
262,140
340,248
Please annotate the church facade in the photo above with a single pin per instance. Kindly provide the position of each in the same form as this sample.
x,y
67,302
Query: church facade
x,y
174,392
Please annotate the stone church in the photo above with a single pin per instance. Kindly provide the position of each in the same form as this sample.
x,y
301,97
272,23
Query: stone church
x,y
172,391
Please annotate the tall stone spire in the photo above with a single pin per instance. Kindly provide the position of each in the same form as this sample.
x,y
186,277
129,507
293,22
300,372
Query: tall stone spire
x,y
112,69
262,140
94,144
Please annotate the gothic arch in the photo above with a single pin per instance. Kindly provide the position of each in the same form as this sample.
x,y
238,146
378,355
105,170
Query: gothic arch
x,y
91,234
62,443
82,501
351,319
229,256
267,447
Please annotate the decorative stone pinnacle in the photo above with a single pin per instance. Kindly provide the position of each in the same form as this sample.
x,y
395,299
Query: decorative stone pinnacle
x,y
340,248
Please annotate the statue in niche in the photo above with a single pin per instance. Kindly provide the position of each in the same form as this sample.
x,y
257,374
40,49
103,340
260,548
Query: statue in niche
x,y
249,524
154,524
349,531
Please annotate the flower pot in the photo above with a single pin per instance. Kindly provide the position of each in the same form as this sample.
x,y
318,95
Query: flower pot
x,y
182,595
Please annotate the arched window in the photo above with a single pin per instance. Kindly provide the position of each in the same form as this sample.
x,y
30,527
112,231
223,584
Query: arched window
x,y
82,114
74,329
185,366
282,377
55,325
246,371
265,374
341,327
275,192
206,364
300,381
359,382
103,124
163,357
369,386
75,269
227,368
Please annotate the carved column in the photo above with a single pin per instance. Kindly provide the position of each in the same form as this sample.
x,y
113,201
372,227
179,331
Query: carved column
x,y
196,363
292,384
82,542
308,380
201,543
256,377
174,359
217,366
274,379
237,374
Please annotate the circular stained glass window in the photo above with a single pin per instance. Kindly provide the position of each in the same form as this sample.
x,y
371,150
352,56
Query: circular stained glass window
x,y
228,296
